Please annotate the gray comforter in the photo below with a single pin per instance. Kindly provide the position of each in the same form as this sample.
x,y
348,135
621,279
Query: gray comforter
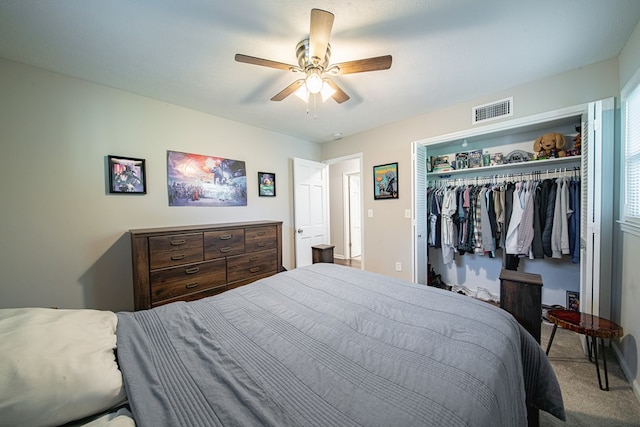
x,y
326,345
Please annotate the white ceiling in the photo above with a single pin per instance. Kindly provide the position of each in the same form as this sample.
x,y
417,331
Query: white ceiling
x,y
444,51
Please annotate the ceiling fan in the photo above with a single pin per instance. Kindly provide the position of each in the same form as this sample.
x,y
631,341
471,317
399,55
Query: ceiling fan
x,y
313,56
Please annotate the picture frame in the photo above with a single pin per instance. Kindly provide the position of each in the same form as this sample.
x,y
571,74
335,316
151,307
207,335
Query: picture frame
x,y
127,175
573,300
201,180
266,184
385,181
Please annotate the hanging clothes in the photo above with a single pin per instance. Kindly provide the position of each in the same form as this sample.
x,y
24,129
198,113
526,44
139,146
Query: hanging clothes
x,y
530,218
560,227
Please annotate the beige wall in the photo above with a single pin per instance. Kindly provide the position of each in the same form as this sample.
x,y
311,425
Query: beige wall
x,y
628,288
65,240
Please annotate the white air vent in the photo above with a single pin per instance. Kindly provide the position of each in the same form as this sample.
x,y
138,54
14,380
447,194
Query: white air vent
x,y
492,111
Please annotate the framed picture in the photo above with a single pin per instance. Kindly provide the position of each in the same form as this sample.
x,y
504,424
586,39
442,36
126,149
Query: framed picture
x,y
385,181
202,180
573,300
126,175
266,184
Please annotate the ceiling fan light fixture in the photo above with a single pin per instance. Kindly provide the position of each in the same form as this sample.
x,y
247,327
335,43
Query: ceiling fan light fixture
x,y
302,93
314,81
327,91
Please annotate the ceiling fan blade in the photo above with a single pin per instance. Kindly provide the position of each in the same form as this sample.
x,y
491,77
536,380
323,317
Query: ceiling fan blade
x,y
319,32
263,62
362,65
339,95
288,90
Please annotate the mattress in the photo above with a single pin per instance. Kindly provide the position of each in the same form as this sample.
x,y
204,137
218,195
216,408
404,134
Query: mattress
x,y
327,345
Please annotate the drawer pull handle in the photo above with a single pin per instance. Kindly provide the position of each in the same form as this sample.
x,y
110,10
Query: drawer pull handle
x,y
253,258
261,244
178,242
192,285
193,270
261,233
225,250
254,269
225,237
177,257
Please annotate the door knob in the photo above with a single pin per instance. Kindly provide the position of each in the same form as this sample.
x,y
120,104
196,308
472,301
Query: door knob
x,y
299,230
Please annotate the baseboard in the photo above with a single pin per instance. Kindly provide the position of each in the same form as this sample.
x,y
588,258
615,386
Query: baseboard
x,y
338,256
635,385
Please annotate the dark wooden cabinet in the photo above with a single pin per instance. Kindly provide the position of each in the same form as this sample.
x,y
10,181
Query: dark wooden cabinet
x,y
521,295
322,253
191,262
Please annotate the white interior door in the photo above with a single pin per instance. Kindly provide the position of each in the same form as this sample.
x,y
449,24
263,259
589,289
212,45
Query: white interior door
x,y
355,229
311,223
597,208
419,200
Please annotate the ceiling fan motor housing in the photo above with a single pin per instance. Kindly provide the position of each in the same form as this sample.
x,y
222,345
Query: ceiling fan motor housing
x,y
305,62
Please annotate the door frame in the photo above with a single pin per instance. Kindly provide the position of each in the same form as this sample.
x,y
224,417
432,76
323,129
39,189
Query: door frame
x,y
348,204
360,157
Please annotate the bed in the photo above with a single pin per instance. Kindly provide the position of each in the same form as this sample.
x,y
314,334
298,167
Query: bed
x,y
328,345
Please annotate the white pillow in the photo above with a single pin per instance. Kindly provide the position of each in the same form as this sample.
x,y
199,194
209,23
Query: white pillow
x,y
57,366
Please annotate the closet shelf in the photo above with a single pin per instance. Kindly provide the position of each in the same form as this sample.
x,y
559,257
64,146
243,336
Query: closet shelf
x,y
546,164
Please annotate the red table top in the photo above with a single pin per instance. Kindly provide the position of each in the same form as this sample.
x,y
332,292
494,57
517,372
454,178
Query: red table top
x,y
586,324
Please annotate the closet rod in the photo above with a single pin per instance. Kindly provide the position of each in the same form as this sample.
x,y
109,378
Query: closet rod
x,y
510,177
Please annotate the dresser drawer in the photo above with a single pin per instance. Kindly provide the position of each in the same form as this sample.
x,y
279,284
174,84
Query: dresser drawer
x,y
221,243
254,264
260,238
175,249
177,281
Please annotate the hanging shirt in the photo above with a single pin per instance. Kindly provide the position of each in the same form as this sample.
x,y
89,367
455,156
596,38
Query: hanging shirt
x,y
536,244
574,222
547,231
488,239
448,240
511,240
560,230
525,229
477,223
434,218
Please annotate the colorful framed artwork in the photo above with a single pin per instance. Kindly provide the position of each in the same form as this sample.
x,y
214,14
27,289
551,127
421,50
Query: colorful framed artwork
x,y
573,300
266,184
201,180
385,181
127,175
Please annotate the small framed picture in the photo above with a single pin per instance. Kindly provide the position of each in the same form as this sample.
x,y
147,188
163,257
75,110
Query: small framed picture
x,y
573,300
127,175
266,184
385,181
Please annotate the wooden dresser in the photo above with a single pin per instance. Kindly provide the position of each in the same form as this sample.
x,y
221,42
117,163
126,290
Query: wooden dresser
x,y
191,262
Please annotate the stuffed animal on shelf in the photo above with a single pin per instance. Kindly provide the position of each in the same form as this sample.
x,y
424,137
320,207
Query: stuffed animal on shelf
x,y
577,142
549,146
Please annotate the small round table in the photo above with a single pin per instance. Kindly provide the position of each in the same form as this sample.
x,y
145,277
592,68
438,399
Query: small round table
x,y
590,326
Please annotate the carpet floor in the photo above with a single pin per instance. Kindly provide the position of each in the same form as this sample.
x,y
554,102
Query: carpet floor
x,y
585,404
